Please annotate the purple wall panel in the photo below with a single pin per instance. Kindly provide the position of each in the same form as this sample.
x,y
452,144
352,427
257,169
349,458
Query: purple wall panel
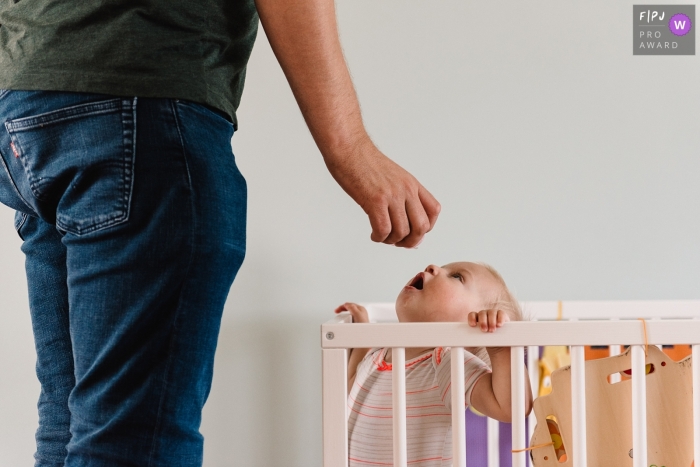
x,y
477,448
476,440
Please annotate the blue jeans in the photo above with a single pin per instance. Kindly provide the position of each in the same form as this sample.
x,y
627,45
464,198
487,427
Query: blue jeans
x,y
132,214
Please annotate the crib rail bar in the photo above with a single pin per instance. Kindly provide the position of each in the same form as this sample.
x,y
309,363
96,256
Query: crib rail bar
x,y
517,397
459,434
595,332
696,401
639,407
335,427
533,370
398,386
615,350
493,443
578,406
582,309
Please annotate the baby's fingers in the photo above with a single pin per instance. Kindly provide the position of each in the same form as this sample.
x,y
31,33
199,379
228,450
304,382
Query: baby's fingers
x,y
502,318
493,319
487,320
484,320
479,318
358,312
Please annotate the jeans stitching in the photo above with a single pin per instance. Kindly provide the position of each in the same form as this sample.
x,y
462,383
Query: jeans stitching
x,y
61,115
18,227
130,159
28,173
168,364
14,185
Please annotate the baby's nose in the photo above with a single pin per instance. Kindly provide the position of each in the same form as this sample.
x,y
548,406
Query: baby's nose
x,y
432,269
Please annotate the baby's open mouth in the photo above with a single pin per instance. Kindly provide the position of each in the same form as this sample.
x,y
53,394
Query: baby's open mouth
x,y
417,281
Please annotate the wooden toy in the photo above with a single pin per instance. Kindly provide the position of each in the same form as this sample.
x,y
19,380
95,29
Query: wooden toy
x,y
609,414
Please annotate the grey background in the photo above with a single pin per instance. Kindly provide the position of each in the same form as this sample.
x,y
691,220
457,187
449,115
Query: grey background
x,y
559,157
685,43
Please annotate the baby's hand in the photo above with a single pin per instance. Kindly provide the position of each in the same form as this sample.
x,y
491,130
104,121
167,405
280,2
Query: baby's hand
x,y
358,312
488,320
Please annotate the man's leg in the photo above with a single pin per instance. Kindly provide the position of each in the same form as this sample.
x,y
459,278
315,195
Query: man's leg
x,y
48,304
151,209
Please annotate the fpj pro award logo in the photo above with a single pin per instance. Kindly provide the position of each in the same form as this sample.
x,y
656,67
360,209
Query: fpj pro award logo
x,y
664,29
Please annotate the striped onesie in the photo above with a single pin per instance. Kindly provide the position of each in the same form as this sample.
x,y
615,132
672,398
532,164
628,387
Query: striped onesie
x,y
428,408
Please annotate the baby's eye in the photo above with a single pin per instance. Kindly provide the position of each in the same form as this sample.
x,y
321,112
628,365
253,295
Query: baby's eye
x,y
458,276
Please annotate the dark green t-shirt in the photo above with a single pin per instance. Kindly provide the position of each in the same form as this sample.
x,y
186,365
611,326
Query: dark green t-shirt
x,y
181,49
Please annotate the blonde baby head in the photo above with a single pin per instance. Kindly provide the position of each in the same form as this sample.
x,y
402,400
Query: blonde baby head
x,y
453,291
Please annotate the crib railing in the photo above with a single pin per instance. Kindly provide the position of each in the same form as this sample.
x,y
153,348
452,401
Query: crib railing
x,y
665,323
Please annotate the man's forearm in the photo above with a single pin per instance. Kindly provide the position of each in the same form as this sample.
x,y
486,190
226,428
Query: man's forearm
x,y
304,37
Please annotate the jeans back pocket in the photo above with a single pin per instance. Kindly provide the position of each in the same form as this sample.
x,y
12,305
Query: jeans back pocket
x,y
78,163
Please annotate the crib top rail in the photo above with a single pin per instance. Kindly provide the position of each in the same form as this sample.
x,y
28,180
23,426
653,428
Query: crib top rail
x,y
340,335
578,309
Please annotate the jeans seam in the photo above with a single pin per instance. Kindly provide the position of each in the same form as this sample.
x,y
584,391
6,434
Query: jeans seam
x,y
19,226
130,162
62,115
168,364
14,185
23,161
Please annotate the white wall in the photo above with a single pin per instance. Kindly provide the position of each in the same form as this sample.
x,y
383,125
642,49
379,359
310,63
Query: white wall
x,y
559,157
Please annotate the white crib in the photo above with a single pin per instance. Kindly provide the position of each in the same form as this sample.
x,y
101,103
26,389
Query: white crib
x,y
572,323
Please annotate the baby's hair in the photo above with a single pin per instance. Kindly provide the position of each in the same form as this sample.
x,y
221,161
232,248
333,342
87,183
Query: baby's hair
x,y
504,300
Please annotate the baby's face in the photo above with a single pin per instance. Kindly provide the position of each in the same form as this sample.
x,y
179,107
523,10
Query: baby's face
x,y
446,293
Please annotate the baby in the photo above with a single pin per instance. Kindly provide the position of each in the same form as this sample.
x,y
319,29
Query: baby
x,y
462,291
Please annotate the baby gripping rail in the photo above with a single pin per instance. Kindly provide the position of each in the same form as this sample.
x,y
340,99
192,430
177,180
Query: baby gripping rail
x,y
556,323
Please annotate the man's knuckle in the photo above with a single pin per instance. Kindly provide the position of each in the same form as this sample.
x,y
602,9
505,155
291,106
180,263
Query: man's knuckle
x,y
380,197
384,228
422,226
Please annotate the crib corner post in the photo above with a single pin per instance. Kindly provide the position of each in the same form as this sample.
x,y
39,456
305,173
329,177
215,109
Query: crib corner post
x,y
335,425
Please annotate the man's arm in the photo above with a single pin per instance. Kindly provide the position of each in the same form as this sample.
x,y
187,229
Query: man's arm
x,y
304,37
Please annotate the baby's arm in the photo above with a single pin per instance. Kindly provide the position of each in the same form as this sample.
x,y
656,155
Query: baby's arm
x,y
359,315
491,395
